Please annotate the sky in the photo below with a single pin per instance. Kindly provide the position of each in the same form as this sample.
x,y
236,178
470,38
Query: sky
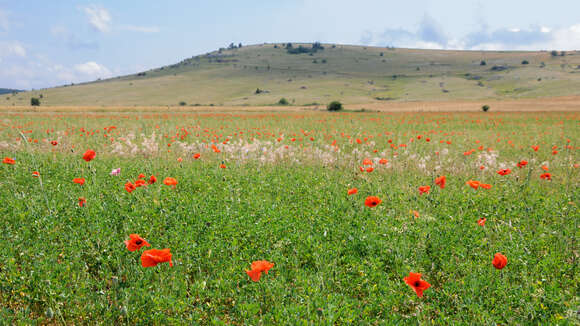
x,y
51,43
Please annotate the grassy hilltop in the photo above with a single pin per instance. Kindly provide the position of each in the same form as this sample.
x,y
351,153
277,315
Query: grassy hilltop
x,y
352,74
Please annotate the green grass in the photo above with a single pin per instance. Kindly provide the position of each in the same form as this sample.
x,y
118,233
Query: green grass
x,y
336,261
351,74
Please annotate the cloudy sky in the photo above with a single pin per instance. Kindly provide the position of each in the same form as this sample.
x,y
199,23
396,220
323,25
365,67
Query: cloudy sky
x,y
49,43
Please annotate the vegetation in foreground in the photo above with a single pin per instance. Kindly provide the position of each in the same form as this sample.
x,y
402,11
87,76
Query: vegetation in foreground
x,y
253,187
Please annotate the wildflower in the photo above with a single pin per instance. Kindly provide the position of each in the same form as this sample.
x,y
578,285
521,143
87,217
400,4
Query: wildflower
x,y
370,169
473,184
223,166
481,221
35,174
196,156
383,161
80,181
522,163
257,268
372,201
352,191
535,148
441,181
482,167
416,283
135,242
485,186
499,261
504,172
424,189
53,142
546,176
152,257
8,160
82,201
115,172
130,187
169,181
415,213
179,159
152,180
89,155
367,161
141,176
545,168
140,183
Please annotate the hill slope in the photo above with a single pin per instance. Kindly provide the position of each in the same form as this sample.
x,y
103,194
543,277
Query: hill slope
x,y
352,74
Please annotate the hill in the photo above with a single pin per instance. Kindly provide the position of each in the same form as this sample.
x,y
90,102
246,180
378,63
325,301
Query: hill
x,y
9,91
351,74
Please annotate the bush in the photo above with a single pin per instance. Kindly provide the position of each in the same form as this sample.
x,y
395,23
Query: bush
x,y
182,103
554,53
485,108
34,101
525,62
334,106
283,101
482,63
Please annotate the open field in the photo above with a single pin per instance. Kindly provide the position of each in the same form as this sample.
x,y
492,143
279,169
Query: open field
x,y
351,74
549,104
273,186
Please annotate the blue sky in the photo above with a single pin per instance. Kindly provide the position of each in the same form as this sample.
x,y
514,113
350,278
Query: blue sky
x,y
50,43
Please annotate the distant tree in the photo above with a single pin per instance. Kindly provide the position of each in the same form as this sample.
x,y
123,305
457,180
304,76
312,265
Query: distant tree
x,y
485,108
317,46
240,45
334,106
34,101
275,46
258,91
283,101
483,63
182,103
563,53
288,45
525,62
554,53
381,54
323,61
231,46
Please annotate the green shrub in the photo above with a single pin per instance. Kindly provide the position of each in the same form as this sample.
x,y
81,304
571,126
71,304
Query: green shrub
x,y
485,108
483,63
34,101
283,101
525,62
334,106
182,103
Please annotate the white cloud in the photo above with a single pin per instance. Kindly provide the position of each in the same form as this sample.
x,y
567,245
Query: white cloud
x,y
141,29
94,70
11,49
99,18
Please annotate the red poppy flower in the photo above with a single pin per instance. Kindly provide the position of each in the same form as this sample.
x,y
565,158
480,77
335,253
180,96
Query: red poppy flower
x,y
499,261
135,242
546,176
257,268
535,148
482,167
82,201
152,180
141,176
415,214
196,155
89,155
169,181
179,159
473,184
80,181
367,161
485,186
545,168
424,189
130,187
54,143
481,221
504,172
352,191
370,169
35,174
152,257
140,183
372,201
223,166
416,283
383,161
522,163
441,181
8,160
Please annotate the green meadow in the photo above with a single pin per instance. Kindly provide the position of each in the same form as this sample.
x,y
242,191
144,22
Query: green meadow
x,y
281,196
